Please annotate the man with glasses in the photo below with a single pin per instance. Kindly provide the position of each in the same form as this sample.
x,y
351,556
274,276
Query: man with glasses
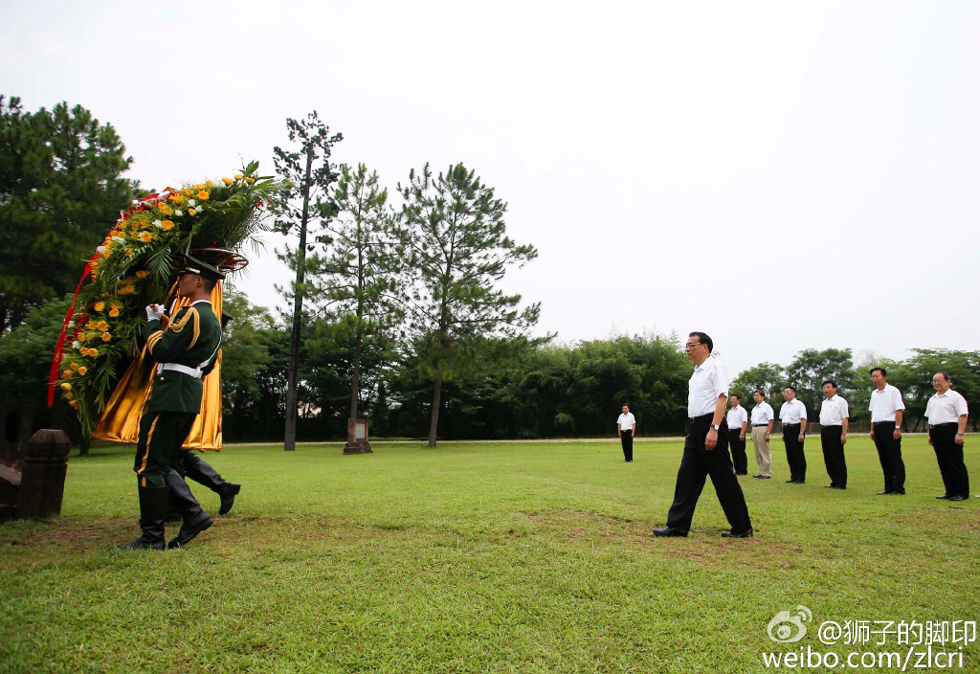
x,y
706,447
947,413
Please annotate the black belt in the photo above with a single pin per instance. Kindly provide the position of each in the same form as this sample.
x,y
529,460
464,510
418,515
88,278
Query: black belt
x,y
703,417
759,425
948,423
882,423
788,425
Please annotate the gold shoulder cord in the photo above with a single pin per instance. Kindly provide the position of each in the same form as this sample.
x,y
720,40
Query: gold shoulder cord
x,y
181,323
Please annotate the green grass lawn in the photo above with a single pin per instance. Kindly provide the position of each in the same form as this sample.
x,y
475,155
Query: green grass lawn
x,y
479,557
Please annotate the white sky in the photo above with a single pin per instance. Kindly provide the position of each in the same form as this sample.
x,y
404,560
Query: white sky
x,y
780,175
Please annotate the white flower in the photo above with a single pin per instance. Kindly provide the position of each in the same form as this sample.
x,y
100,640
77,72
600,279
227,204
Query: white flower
x,y
191,203
199,208
178,213
119,239
76,345
158,224
101,249
71,324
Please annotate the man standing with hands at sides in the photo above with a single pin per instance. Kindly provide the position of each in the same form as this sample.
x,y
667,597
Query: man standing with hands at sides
x,y
886,430
762,418
706,447
834,421
627,428
738,420
947,413
793,416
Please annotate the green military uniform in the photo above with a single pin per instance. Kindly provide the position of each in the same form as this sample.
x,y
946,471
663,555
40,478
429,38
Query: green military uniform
x,y
191,342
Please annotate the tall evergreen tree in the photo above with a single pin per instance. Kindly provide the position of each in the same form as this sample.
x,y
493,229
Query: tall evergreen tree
x,y
309,170
60,191
455,242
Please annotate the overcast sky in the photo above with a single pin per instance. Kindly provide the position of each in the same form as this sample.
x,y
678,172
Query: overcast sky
x,y
781,175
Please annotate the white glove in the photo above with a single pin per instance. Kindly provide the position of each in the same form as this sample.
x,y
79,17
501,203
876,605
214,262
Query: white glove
x,y
154,312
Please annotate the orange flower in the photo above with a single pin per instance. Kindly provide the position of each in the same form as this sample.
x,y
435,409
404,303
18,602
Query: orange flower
x,y
127,290
165,208
227,181
202,195
142,273
99,306
74,404
67,374
106,337
68,395
145,237
74,366
167,225
66,386
82,370
250,180
113,312
102,325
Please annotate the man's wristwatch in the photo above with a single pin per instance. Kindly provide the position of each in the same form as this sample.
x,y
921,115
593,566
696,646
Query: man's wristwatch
x,y
717,427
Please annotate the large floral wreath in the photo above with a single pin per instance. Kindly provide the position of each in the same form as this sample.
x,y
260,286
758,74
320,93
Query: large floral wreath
x,y
135,266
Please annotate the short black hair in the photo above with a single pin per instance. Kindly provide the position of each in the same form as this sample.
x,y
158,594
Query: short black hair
x,y
703,339
831,382
759,391
945,375
736,396
882,370
790,388
208,283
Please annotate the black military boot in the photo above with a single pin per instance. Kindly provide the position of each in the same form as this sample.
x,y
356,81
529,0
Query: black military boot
x,y
195,519
201,471
154,502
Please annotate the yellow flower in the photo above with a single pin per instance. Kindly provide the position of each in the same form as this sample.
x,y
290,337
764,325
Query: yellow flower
x,y
94,353
167,225
74,366
140,274
106,337
74,403
113,312
146,237
82,370
226,181
238,176
202,195
107,252
102,325
165,208
68,395
191,211
129,252
187,192
66,386
127,290
250,180
67,374
99,306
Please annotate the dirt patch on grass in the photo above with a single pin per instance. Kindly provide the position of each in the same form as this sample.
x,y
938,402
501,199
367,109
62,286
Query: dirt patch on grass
x,y
76,535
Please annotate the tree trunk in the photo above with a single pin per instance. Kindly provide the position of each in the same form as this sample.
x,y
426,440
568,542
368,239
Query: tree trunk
x,y
436,402
292,394
26,425
3,422
356,379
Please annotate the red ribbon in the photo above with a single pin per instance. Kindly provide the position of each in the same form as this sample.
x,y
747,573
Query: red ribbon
x,y
59,348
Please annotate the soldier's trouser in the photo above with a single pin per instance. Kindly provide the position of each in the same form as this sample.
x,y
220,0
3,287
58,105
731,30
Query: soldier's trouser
x,y
161,435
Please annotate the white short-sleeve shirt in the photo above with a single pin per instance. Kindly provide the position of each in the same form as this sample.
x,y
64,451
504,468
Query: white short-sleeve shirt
x,y
762,414
626,421
885,403
736,417
792,411
708,383
946,408
833,411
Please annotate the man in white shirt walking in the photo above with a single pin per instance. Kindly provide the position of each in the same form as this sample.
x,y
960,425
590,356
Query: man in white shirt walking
x,y
762,418
834,422
793,416
887,409
706,447
947,413
738,421
627,429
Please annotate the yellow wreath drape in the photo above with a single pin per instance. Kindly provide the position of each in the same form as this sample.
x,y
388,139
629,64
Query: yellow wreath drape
x,y
120,422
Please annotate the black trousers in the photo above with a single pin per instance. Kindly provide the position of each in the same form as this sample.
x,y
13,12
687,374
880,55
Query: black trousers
x,y
890,456
626,437
697,464
739,461
950,458
794,452
833,455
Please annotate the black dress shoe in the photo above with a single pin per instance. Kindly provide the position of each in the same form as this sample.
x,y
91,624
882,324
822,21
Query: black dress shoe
x,y
830,486
742,534
769,477
840,487
669,531
757,476
883,493
897,493
790,481
944,496
741,473
958,497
